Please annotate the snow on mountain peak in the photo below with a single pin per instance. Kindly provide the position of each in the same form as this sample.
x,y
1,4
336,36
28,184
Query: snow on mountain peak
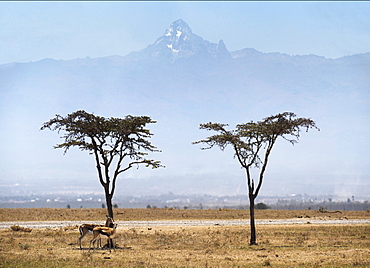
x,y
176,35
178,28
179,41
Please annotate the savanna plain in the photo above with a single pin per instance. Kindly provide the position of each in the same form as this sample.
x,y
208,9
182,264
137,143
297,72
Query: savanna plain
x,y
290,245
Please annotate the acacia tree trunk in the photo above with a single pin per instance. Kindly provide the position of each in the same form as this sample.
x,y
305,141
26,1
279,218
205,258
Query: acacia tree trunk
x,y
254,193
252,197
108,200
105,184
252,222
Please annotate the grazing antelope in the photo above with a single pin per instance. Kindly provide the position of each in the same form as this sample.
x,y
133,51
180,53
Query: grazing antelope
x,y
88,228
107,231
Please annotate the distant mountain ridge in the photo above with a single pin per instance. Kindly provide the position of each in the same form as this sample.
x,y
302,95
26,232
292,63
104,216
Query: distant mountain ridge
x,y
179,55
180,43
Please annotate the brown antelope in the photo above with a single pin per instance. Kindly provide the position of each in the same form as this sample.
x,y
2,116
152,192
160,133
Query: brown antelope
x,y
88,228
107,231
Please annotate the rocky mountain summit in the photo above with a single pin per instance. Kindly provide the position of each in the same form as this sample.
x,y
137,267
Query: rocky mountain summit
x,y
180,43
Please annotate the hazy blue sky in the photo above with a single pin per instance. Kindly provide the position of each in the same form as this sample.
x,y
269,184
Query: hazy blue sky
x,y
31,31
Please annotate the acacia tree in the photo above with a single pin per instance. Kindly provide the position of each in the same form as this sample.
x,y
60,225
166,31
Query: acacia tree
x,y
117,144
252,143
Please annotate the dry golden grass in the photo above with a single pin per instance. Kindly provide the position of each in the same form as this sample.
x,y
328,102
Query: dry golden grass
x,y
63,214
303,245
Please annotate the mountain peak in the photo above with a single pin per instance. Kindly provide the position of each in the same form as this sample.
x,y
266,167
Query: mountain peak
x,y
179,42
178,29
179,38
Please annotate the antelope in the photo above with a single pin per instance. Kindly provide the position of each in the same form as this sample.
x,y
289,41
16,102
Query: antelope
x,y
107,231
88,228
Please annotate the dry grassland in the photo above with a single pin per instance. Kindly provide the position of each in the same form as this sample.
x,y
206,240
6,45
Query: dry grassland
x,y
306,245
62,214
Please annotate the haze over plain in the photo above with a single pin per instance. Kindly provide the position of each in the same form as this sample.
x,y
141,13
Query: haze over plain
x,y
271,69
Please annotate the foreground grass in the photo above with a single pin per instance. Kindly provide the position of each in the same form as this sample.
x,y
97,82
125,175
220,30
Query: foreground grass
x,y
305,245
